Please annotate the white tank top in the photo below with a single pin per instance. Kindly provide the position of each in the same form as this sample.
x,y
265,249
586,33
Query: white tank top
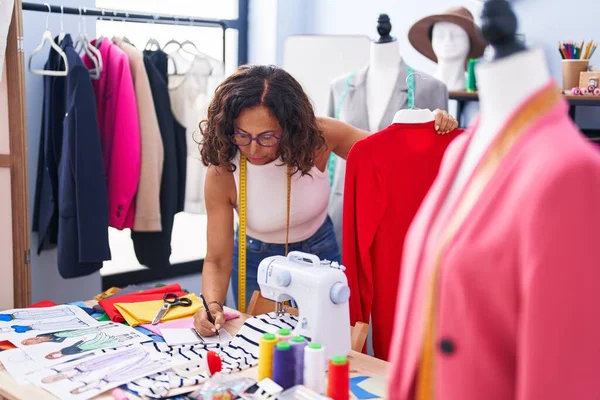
x,y
266,201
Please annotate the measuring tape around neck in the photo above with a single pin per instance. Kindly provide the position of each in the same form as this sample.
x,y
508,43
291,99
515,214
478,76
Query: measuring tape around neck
x,y
242,229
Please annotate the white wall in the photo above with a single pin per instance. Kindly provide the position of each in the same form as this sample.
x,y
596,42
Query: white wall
x,y
46,283
270,22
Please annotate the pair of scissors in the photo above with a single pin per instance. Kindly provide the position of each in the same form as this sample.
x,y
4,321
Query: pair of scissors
x,y
170,300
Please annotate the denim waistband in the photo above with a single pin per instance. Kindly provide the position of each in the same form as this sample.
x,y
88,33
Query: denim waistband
x,y
324,230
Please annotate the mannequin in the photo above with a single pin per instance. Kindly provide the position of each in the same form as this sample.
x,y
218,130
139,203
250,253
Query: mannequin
x,y
384,66
369,97
451,46
448,39
524,219
504,83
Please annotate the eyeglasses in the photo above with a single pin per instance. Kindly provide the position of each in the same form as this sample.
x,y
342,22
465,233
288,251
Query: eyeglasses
x,y
264,139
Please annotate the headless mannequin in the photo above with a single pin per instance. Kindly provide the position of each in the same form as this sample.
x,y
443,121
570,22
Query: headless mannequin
x,y
451,46
384,67
504,83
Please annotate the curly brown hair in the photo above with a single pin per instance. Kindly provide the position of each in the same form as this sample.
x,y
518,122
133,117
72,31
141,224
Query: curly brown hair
x,y
274,88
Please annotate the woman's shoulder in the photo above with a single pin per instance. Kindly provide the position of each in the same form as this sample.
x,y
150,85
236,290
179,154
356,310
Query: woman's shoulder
x,y
220,184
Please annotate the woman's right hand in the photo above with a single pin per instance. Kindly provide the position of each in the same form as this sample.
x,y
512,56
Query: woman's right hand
x,y
203,325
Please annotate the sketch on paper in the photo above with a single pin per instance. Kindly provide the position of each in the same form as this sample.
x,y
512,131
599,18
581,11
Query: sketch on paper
x,y
100,341
18,364
54,348
60,336
18,322
36,314
82,380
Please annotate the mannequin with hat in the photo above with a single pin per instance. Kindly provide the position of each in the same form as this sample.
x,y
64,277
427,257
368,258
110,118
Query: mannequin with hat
x,y
449,39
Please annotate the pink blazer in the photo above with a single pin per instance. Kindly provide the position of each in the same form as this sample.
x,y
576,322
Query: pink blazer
x,y
119,132
518,310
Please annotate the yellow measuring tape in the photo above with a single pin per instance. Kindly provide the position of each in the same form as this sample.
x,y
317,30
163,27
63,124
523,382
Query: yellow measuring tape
x,y
242,229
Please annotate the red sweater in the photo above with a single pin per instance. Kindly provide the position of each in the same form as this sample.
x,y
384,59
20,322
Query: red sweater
x,y
387,176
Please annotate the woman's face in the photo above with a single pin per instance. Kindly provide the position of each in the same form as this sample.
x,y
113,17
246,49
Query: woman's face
x,y
259,124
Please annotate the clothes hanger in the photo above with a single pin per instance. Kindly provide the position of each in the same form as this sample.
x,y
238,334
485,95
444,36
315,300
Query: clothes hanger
x,y
47,37
83,44
62,33
152,41
413,115
124,25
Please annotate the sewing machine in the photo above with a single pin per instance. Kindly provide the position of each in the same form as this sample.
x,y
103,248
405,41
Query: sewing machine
x,y
319,288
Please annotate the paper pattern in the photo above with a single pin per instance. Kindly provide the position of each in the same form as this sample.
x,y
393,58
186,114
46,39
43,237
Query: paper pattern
x,y
21,322
82,380
18,364
174,337
50,349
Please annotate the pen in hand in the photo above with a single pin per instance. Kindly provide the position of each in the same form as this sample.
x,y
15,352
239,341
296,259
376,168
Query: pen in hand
x,y
209,315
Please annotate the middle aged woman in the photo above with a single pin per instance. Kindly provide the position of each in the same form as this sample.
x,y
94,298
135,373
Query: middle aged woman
x,y
261,118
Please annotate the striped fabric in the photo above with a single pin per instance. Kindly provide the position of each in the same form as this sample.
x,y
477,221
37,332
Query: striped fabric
x,y
240,354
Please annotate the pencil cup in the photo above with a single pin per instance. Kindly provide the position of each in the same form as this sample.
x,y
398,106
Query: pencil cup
x,y
571,69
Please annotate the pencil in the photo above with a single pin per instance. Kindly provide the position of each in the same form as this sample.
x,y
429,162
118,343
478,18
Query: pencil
x,y
209,315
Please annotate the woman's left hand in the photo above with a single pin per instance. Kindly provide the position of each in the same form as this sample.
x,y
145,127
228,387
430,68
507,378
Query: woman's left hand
x,y
444,122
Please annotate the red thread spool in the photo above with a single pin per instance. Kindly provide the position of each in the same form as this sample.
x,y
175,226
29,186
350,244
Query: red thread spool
x,y
338,385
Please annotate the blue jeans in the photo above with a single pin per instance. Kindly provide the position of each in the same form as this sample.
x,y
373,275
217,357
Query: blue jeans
x,y
321,244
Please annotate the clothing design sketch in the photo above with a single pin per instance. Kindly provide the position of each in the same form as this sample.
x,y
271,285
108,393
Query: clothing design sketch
x,y
101,341
78,371
140,366
74,323
240,354
37,314
60,336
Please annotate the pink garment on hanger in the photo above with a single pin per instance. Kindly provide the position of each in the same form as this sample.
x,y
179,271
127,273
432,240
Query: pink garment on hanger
x,y
119,132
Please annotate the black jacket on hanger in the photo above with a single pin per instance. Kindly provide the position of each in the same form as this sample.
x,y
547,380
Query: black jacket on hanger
x,y
45,208
153,249
160,59
71,201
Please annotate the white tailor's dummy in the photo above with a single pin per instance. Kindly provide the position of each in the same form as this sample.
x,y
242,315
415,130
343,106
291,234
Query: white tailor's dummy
x,y
503,84
451,46
448,39
384,68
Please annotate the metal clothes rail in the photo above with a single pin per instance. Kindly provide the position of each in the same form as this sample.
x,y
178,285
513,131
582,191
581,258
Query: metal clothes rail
x,y
121,15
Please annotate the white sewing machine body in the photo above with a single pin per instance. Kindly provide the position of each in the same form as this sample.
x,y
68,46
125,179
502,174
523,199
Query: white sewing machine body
x,y
319,288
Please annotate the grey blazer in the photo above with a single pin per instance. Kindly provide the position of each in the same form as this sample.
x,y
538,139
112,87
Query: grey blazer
x,y
429,93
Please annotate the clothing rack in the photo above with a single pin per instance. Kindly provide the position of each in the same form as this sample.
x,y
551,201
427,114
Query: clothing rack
x,y
110,15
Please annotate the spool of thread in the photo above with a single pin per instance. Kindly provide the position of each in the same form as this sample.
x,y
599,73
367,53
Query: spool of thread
x,y
284,335
266,348
338,386
471,79
298,344
283,365
314,367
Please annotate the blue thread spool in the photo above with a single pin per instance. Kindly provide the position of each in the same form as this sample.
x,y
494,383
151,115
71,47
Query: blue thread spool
x,y
298,344
284,365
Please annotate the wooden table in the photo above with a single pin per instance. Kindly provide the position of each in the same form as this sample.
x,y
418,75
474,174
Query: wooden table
x,y
360,364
